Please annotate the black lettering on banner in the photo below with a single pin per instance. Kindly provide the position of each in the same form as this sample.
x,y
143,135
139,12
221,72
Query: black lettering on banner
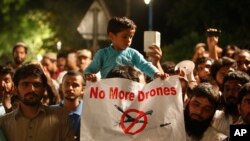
x,y
239,133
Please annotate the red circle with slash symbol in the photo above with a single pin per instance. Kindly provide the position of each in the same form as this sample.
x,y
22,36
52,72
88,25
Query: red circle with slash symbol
x,y
139,115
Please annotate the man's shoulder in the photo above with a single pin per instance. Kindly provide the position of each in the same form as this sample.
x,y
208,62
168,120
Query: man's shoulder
x,y
213,134
219,114
52,108
8,116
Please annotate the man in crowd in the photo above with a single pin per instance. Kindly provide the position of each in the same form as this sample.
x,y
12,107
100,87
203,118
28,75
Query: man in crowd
x,y
199,113
244,104
202,67
32,120
19,53
84,58
49,63
243,60
232,83
72,89
6,89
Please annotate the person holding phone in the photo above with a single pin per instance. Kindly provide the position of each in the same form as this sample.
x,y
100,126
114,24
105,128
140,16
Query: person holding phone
x,y
215,51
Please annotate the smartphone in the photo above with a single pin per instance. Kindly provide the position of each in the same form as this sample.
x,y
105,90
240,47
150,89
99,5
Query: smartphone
x,y
151,38
213,32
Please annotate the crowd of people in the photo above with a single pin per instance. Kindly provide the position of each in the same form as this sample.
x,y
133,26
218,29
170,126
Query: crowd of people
x,y
43,100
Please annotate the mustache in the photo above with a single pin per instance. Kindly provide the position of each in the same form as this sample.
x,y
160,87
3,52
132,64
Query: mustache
x,y
32,94
199,117
230,98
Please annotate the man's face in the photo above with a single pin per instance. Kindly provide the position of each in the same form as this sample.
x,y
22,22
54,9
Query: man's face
x,y
49,65
6,83
83,62
221,74
71,60
230,91
30,90
243,61
198,116
19,55
200,109
204,71
72,87
61,63
230,95
244,109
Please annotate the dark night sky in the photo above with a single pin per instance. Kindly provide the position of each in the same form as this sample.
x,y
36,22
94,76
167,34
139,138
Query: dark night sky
x,y
139,14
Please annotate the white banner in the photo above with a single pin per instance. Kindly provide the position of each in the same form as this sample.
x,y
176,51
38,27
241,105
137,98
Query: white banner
x,y
123,110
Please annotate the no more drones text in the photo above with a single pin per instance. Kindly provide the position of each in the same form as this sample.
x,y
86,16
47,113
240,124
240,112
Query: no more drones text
x,y
116,93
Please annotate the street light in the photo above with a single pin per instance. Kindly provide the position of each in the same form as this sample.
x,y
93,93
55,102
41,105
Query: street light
x,y
150,14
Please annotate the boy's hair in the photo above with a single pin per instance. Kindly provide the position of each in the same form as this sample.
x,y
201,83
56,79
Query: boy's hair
x,y
29,70
206,90
245,90
118,24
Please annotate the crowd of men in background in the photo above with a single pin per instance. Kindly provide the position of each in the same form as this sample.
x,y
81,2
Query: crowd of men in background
x,y
216,96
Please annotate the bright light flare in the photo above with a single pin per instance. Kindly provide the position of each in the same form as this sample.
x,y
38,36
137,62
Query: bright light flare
x,y
147,1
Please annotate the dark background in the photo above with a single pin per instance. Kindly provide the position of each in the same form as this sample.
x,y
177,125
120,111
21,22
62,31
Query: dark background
x,y
182,23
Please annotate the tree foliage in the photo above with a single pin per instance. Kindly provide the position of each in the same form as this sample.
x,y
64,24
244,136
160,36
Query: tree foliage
x,y
31,26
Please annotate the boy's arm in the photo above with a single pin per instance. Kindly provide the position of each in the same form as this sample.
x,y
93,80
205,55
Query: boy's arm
x,y
95,65
147,67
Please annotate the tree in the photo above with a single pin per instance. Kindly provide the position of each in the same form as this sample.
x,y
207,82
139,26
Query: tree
x,y
30,26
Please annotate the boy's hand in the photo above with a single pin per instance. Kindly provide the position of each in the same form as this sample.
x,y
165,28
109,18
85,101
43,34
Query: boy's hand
x,y
161,75
90,77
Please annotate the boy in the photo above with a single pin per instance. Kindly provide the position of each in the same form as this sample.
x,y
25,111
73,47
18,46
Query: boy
x,y
121,31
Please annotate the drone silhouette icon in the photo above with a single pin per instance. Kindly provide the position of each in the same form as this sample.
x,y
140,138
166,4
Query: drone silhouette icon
x,y
132,119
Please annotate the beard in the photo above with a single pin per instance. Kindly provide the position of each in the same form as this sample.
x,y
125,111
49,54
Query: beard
x,y
246,118
71,98
31,99
194,127
18,61
205,78
231,107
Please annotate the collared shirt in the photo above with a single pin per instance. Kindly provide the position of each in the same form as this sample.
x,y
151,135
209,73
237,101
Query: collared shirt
x,y
50,124
221,122
108,58
75,118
